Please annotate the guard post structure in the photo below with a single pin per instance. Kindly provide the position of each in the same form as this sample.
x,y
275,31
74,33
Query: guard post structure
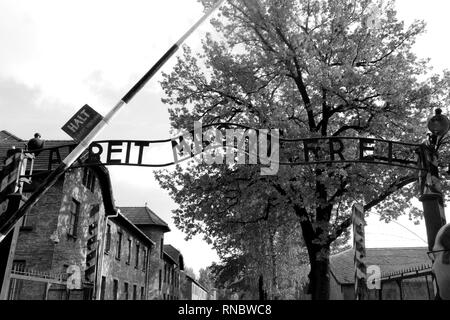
x,y
430,188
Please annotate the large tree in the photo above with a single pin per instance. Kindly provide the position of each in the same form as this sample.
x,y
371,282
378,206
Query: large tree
x,y
311,69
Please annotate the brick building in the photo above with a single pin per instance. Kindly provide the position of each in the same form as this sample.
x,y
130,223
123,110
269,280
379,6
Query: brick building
x,y
154,228
55,233
72,226
124,273
75,231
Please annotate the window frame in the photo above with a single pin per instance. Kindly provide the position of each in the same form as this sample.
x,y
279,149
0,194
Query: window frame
x,y
160,280
115,289
119,244
134,291
108,238
144,258
136,258
103,288
74,218
126,290
130,246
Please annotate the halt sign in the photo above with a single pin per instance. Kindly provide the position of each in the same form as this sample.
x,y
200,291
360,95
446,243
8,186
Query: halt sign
x,y
79,126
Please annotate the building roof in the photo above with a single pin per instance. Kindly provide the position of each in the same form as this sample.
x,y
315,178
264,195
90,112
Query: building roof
x,y
143,216
42,160
390,260
8,136
59,150
196,282
123,221
174,255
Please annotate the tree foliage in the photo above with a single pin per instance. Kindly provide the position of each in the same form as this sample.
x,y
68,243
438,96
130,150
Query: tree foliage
x,y
310,68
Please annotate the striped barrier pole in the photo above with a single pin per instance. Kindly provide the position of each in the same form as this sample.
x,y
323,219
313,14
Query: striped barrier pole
x,y
7,223
10,175
359,249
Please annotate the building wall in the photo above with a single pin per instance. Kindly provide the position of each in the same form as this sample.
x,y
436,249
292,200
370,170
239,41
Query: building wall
x,y
122,270
412,289
191,290
198,293
171,281
72,250
335,289
44,243
348,291
213,294
156,263
34,245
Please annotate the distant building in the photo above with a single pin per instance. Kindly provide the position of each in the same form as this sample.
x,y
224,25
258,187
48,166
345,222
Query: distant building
x,y
193,290
154,228
124,266
173,265
406,274
213,294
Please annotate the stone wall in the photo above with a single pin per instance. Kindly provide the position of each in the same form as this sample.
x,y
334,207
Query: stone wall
x,y
156,265
44,243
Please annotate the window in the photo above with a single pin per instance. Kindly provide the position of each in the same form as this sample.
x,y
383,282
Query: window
x,y
134,292
144,267
103,288
160,278
129,251
73,219
119,245
115,288
25,221
137,256
125,290
172,280
89,179
108,238
142,293
165,273
162,249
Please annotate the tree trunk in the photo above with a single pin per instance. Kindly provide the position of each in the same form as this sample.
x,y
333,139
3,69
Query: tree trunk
x,y
273,257
319,258
320,279
261,288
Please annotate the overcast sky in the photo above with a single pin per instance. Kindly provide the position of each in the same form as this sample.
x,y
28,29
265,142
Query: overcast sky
x,y
56,56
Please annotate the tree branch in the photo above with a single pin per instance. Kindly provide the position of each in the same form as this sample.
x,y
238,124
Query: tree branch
x,y
392,188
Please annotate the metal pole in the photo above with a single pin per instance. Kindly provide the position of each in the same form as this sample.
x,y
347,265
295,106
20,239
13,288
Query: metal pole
x,y
7,223
431,194
430,189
